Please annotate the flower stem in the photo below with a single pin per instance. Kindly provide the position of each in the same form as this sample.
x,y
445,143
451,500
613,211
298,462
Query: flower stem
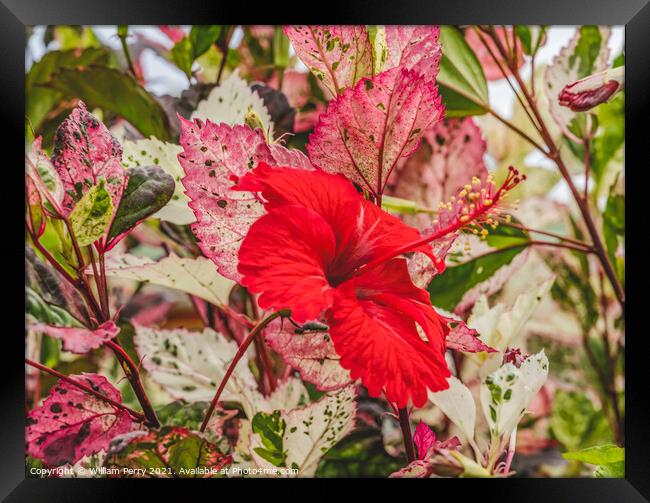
x,y
87,389
553,153
405,424
240,352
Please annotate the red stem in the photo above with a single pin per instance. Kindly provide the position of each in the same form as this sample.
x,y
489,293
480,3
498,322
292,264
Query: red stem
x,y
405,425
240,352
87,389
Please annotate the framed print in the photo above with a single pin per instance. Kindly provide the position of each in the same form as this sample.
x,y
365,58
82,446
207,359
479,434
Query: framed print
x,y
390,243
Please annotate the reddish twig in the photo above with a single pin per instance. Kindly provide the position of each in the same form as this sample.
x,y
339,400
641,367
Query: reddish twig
x,y
405,425
240,352
87,389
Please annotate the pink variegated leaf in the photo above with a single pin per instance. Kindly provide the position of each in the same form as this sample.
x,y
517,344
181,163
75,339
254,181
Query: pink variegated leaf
x,y
415,48
85,152
79,340
309,351
465,339
283,156
71,423
370,127
337,55
450,155
214,156
424,438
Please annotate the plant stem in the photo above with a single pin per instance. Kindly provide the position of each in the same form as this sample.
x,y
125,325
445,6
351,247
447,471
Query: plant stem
x,y
405,424
554,154
585,195
133,375
127,54
546,233
87,389
240,352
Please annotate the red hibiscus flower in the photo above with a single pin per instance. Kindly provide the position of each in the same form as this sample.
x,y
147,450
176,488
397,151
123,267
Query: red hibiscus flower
x,y
305,255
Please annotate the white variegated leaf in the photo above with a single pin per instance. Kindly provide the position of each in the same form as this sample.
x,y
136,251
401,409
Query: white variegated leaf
x,y
229,102
311,431
196,276
153,152
506,393
457,403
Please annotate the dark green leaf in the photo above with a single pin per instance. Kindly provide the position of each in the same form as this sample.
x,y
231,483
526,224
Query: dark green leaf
x,y
117,92
182,55
526,38
447,289
39,310
149,189
461,80
360,454
611,134
41,100
179,413
203,36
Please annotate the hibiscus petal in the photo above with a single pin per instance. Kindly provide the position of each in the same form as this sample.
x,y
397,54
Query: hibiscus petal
x,y
283,257
362,230
373,327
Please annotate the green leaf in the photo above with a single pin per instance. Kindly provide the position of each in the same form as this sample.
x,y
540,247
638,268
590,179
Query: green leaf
x,y
168,452
505,235
41,100
610,135
280,48
360,454
270,428
92,214
610,471
614,230
526,38
76,37
112,90
41,311
180,413
598,455
576,423
182,54
587,50
203,36
461,80
447,289
148,190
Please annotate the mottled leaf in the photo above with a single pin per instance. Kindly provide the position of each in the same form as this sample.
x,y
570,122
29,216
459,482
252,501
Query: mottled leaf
x,y
598,455
85,152
79,340
506,393
370,127
149,189
71,423
91,217
230,101
337,55
213,156
465,339
413,47
300,437
311,352
195,276
153,152
171,452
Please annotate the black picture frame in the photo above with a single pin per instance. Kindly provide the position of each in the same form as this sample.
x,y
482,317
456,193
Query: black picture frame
x,y
634,14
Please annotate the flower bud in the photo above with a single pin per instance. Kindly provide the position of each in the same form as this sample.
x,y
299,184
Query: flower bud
x,y
586,93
